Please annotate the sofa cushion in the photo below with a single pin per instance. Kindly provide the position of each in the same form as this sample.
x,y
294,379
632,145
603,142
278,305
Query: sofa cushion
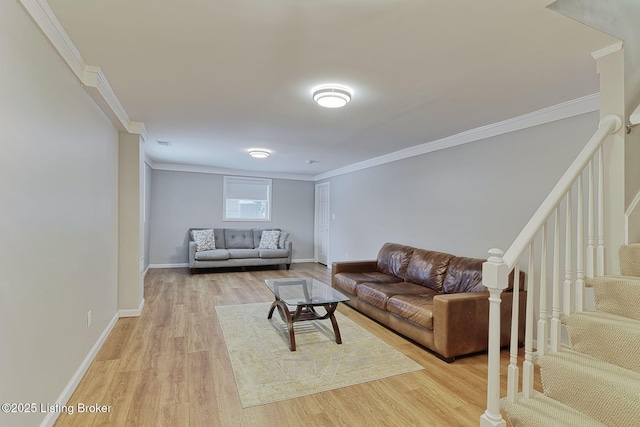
x,y
377,294
464,275
269,239
219,238
213,255
349,281
393,259
238,239
415,308
243,253
204,239
428,268
273,253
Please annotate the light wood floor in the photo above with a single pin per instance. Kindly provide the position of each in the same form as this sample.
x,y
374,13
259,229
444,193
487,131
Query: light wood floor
x,y
169,367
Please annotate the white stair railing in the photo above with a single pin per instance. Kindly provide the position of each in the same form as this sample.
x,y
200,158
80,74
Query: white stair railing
x,y
566,295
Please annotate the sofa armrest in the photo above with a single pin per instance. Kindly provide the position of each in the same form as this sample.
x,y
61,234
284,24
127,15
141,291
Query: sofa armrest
x,y
461,322
192,253
288,245
353,267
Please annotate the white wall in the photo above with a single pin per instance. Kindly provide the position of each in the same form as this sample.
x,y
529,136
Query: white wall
x,y
148,182
58,221
462,200
130,224
181,200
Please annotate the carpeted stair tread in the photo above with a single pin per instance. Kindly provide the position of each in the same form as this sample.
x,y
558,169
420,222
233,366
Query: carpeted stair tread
x,y
602,391
614,339
618,295
542,411
630,259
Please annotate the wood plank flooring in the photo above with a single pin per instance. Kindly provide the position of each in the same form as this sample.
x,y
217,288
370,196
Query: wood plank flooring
x,y
169,367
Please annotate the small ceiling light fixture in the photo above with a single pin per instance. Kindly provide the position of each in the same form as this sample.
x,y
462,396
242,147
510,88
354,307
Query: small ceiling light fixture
x,y
332,95
259,154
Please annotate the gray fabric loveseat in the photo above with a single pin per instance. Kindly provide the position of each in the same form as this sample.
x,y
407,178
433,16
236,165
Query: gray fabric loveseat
x,y
238,248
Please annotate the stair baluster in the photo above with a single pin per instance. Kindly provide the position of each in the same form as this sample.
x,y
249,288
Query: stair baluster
x,y
601,247
591,238
542,317
513,371
579,285
568,274
555,325
527,366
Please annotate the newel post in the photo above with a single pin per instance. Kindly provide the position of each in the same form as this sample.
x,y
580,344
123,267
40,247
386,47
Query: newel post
x,y
495,277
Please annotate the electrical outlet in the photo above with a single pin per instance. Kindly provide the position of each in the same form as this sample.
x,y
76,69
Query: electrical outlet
x,y
89,319
346,255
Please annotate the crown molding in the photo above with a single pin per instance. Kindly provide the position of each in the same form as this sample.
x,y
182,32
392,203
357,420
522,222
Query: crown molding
x,y
607,50
42,15
95,83
576,107
91,78
148,160
138,128
223,171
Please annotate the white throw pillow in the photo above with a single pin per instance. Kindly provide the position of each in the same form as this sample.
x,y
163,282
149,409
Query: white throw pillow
x,y
284,235
269,239
205,239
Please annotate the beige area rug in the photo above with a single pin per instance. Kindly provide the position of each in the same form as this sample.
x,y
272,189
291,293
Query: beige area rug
x,y
267,371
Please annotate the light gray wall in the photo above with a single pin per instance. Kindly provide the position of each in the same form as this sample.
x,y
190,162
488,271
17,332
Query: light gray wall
x,y
181,200
463,200
58,221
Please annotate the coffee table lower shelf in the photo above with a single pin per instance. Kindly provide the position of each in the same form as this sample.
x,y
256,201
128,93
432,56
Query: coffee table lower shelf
x,y
303,313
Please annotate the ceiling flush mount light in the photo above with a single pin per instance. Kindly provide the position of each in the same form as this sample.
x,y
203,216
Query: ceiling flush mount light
x,y
259,154
332,95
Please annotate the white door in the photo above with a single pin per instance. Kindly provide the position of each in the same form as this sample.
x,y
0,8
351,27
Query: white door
x,y
322,223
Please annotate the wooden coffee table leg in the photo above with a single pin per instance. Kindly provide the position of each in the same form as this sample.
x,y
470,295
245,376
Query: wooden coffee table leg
x,y
285,315
292,337
334,322
273,307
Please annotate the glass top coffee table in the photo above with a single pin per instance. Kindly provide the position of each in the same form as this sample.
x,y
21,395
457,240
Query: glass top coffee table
x,y
304,295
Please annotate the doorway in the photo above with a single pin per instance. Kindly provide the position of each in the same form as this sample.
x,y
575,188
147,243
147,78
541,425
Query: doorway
x,y
321,234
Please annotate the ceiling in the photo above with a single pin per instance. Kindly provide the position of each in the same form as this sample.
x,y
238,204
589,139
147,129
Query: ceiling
x,y
218,77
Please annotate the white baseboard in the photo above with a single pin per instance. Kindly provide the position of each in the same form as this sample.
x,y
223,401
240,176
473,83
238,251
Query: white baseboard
x,y
186,264
51,417
176,265
134,312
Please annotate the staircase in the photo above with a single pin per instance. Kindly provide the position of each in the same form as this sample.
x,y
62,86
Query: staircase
x,y
582,327
597,381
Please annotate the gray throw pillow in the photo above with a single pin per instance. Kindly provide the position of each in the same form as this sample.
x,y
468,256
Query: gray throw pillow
x,y
284,235
205,240
269,239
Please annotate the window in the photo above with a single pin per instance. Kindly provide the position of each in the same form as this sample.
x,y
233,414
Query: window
x,y
247,199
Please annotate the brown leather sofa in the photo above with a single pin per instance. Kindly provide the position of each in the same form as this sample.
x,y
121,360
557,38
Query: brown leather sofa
x,y
433,298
